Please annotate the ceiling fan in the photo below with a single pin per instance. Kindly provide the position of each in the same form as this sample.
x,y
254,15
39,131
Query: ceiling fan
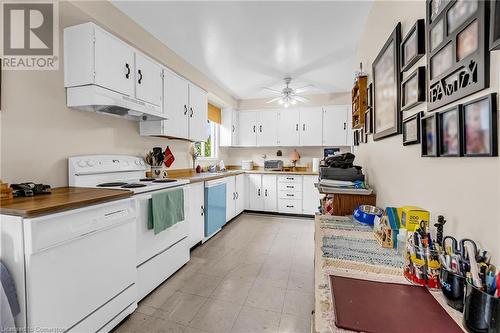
x,y
288,96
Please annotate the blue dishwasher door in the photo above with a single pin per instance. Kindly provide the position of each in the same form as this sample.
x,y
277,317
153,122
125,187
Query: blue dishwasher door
x,y
215,208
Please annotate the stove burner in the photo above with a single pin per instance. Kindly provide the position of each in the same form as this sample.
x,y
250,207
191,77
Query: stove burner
x,y
164,181
146,179
114,184
133,185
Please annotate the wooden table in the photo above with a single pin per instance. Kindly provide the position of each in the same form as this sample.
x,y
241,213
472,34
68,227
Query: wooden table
x,y
324,317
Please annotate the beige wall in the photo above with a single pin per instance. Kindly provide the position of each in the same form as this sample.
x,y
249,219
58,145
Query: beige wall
x,y
465,190
38,131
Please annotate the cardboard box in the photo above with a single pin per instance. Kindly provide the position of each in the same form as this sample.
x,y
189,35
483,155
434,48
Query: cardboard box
x,y
410,217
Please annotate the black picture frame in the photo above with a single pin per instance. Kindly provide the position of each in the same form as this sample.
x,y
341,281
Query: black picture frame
x,y
416,35
416,118
419,75
362,135
368,126
355,137
457,128
494,26
490,101
432,119
449,76
395,102
369,96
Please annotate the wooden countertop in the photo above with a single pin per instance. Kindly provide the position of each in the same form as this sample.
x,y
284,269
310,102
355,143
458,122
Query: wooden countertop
x,y
62,198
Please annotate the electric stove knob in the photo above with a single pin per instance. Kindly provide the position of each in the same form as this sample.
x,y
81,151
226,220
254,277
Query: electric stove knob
x,y
141,162
82,164
137,162
90,163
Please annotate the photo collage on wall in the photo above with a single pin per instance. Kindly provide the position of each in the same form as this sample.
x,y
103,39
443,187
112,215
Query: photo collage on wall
x,y
455,37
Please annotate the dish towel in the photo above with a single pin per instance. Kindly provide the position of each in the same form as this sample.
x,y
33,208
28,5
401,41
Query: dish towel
x,y
166,209
8,299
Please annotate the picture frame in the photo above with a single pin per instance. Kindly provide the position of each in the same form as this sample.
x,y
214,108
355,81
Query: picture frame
x,y
368,121
457,57
355,138
386,88
494,26
411,129
428,135
479,127
413,45
369,96
449,132
413,89
362,135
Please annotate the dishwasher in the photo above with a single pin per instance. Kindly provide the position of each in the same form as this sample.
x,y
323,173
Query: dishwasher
x,y
215,207
80,268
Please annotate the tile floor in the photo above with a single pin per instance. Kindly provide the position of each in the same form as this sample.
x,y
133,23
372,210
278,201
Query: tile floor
x,y
256,275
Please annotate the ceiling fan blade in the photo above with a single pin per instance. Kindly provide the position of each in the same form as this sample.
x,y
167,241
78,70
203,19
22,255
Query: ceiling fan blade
x,y
302,89
272,90
300,99
273,100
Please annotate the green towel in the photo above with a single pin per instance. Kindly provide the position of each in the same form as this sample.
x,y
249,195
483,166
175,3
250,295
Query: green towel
x,y
165,209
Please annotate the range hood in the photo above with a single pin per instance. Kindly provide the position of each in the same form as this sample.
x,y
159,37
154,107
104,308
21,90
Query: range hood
x,y
98,99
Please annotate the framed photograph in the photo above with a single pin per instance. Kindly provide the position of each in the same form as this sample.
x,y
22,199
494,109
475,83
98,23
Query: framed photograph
x,y
368,121
458,59
411,129
428,135
413,89
479,129
449,137
413,45
369,96
494,26
362,135
386,88
355,139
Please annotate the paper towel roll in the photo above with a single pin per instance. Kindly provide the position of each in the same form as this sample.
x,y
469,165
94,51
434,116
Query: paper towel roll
x,y
315,164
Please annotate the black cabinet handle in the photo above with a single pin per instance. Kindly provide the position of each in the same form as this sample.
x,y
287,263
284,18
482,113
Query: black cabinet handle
x,y
290,187
127,75
289,195
191,115
296,127
345,125
140,76
237,195
260,128
258,192
202,210
288,206
185,110
234,196
290,178
265,192
233,128
303,127
254,128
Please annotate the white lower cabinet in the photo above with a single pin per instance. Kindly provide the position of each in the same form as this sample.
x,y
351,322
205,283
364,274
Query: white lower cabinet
x,y
196,213
230,198
254,189
310,194
290,194
269,193
240,193
262,192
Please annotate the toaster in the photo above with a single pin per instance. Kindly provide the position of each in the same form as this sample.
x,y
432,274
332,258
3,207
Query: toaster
x,y
273,165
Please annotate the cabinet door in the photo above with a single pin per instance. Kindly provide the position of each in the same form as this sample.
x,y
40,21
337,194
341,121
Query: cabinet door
x,y
335,125
310,195
148,80
228,128
247,128
288,127
240,193
230,198
196,213
311,121
270,195
175,106
267,131
254,192
198,114
114,63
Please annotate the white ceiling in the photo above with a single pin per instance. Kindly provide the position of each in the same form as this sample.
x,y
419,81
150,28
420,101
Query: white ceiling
x,y
244,46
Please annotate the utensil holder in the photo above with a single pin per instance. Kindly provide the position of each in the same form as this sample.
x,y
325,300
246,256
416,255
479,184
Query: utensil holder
x,y
453,288
481,311
157,171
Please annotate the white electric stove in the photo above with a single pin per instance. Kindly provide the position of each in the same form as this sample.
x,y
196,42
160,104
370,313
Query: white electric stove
x,y
158,256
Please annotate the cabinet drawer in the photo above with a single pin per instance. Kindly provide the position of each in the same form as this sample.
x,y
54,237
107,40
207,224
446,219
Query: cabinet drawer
x,y
290,179
290,195
290,206
291,187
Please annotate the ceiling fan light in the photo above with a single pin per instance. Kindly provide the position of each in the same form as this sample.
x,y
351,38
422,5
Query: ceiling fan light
x,y
293,102
286,105
280,101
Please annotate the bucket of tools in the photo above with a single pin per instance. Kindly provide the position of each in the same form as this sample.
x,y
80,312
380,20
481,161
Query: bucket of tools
x,y
453,288
481,311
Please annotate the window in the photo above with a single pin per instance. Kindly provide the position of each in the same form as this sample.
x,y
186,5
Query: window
x,y
208,149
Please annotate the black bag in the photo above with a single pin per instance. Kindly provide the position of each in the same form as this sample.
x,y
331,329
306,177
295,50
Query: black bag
x,y
343,161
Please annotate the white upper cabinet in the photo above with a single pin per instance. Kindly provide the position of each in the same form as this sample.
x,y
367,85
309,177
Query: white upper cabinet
x,y
228,136
288,129
267,130
148,80
247,128
311,125
198,113
335,125
176,99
